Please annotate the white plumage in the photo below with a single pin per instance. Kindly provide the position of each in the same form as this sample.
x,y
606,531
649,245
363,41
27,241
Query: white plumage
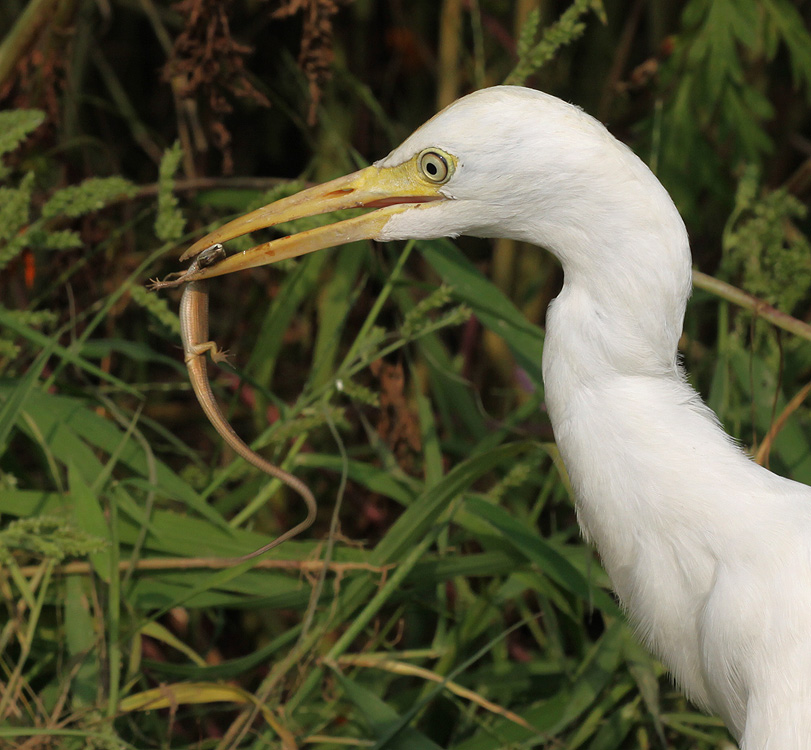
x,y
709,552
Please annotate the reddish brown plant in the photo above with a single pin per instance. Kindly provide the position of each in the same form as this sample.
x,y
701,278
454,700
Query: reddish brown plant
x,y
208,66
316,55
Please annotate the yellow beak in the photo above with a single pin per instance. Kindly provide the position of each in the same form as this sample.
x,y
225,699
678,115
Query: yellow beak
x,y
390,190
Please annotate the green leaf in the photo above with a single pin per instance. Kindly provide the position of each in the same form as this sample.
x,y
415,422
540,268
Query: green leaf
x,y
528,33
794,32
568,28
14,214
296,287
169,223
15,126
50,536
81,640
536,549
91,195
397,486
334,305
66,427
426,509
489,304
555,714
159,633
619,722
89,517
456,405
156,306
380,717
18,325
14,400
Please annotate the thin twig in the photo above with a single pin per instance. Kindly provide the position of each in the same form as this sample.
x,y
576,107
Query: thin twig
x,y
780,422
83,568
210,183
750,302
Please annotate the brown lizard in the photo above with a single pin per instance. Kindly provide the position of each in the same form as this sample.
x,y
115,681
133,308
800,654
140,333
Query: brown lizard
x,y
194,332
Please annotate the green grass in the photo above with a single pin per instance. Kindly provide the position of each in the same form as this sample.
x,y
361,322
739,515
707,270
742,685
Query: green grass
x,y
444,598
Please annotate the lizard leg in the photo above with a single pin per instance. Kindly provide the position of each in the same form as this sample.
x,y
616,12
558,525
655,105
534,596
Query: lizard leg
x,y
216,354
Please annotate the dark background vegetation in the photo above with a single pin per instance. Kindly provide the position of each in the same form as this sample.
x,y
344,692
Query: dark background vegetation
x,y
443,597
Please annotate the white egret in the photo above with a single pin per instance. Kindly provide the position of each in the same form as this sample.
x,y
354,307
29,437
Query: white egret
x,y
709,553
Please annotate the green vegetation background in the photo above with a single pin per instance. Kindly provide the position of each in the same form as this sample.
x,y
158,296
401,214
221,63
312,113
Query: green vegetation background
x,y
444,597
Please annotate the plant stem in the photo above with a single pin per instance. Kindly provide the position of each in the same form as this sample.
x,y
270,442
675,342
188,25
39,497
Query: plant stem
x,y
749,302
35,16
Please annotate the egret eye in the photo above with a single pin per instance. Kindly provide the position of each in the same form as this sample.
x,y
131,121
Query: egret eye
x,y
435,166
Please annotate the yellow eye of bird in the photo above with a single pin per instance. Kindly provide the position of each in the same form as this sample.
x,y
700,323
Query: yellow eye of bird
x,y
434,166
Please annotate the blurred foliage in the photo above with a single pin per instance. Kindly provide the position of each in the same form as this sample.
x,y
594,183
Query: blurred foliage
x,y
444,597
730,65
169,222
533,56
763,248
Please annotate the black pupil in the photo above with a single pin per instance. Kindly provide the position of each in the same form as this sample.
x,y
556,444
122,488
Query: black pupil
x,y
431,168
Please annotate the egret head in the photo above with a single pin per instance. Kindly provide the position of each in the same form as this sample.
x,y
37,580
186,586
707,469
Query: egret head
x,y
523,165
502,162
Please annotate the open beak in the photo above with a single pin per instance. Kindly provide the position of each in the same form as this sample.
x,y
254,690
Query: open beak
x,y
390,190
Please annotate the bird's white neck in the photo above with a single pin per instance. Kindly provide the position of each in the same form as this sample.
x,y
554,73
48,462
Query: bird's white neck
x,y
627,273
648,462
